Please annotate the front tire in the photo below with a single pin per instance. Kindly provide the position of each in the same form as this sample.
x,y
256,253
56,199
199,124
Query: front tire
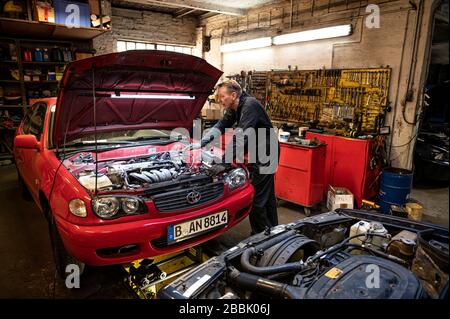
x,y
61,256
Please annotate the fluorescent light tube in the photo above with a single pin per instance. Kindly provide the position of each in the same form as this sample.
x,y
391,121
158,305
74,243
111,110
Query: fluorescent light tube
x,y
323,33
153,96
246,45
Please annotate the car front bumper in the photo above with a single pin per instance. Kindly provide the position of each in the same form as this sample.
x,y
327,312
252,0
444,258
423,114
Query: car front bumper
x,y
148,237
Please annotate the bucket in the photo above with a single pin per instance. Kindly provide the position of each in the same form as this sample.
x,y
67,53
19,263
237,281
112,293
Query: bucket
x,y
395,188
284,136
414,211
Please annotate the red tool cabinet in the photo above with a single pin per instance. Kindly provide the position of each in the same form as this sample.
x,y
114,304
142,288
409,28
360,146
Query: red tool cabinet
x,y
300,174
349,163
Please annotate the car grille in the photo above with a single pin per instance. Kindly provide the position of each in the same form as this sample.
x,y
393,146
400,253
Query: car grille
x,y
177,200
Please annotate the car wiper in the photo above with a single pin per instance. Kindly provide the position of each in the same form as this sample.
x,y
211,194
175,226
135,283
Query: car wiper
x,y
101,142
161,140
149,138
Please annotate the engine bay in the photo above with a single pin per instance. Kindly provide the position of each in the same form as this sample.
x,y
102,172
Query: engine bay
x,y
145,172
333,255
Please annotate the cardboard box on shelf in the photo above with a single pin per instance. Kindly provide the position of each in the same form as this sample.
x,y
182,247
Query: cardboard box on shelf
x,y
83,55
339,197
44,12
212,111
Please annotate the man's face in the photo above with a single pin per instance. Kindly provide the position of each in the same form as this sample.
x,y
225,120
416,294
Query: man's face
x,y
226,99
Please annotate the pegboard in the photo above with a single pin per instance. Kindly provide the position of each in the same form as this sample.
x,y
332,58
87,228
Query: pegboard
x,y
352,101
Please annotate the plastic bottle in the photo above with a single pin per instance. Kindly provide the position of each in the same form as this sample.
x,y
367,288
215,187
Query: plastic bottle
x,y
38,56
362,227
46,56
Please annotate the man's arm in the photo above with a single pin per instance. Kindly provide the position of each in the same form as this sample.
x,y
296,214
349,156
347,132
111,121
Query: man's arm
x,y
228,120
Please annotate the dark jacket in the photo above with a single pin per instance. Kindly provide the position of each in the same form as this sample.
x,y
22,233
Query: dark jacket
x,y
249,114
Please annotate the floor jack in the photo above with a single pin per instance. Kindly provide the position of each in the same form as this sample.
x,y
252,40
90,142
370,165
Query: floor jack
x,y
146,276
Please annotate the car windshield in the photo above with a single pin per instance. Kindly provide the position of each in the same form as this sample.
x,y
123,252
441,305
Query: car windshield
x,y
125,137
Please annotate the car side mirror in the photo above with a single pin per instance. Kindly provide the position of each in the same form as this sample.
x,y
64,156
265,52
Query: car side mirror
x,y
27,141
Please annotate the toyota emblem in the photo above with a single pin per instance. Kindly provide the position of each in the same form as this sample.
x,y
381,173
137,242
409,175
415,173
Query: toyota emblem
x,y
193,197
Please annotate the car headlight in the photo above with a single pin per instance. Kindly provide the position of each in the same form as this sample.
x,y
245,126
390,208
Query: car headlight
x,y
77,207
130,205
236,178
106,207
109,207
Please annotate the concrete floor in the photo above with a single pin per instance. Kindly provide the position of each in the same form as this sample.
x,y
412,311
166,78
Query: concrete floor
x,y
26,264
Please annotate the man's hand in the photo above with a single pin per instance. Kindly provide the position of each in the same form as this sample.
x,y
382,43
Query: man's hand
x,y
192,146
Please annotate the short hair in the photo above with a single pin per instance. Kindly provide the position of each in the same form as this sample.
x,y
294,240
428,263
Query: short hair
x,y
232,86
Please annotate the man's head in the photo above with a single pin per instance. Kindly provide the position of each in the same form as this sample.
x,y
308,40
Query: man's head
x,y
229,93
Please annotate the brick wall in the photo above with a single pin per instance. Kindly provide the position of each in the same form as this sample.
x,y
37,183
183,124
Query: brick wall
x,y
148,27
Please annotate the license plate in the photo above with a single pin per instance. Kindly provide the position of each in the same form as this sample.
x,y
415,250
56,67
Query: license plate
x,y
195,227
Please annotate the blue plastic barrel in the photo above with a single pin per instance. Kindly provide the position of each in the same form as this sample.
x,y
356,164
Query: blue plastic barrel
x,y
395,187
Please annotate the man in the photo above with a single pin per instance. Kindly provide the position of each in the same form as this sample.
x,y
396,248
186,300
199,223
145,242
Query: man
x,y
247,113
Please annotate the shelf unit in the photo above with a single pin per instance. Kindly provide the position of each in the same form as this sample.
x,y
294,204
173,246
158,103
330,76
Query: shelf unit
x,y
16,36
30,26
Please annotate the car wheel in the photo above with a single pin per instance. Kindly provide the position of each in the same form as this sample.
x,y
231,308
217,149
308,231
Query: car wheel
x,y
23,188
61,256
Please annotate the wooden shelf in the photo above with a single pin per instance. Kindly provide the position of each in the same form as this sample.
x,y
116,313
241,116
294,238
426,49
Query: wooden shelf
x,y
40,82
9,62
13,106
10,81
44,63
34,29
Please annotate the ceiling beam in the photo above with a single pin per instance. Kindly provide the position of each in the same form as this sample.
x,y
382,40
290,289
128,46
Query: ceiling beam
x,y
193,4
180,14
208,15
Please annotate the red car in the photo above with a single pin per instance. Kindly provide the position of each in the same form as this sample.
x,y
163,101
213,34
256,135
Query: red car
x,y
113,181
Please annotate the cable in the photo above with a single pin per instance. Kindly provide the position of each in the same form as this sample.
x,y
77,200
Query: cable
x,y
409,142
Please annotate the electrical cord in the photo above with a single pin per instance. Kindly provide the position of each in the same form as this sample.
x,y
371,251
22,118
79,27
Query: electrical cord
x,y
342,244
409,142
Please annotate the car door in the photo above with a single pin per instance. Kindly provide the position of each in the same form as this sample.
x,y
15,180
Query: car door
x,y
36,127
24,127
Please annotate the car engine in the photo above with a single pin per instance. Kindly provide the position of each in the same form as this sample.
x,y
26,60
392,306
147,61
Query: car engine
x,y
155,171
329,256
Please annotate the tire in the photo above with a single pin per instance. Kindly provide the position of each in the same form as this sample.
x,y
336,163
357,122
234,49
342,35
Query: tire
x,y
61,256
25,193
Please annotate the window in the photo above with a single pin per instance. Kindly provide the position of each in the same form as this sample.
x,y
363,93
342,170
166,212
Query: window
x,y
133,45
37,120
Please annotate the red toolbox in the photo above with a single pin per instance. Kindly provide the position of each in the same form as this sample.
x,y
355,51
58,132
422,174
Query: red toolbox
x,y
350,163
300,175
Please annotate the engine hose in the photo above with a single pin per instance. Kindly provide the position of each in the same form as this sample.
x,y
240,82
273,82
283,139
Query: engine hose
x,y
245,257
278,239
263,285
342,244
268,270
379,253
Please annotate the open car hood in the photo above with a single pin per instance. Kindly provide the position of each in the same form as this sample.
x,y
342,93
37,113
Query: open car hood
x,y
175,86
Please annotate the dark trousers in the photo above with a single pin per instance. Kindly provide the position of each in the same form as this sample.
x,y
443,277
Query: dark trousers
x,y
264,212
